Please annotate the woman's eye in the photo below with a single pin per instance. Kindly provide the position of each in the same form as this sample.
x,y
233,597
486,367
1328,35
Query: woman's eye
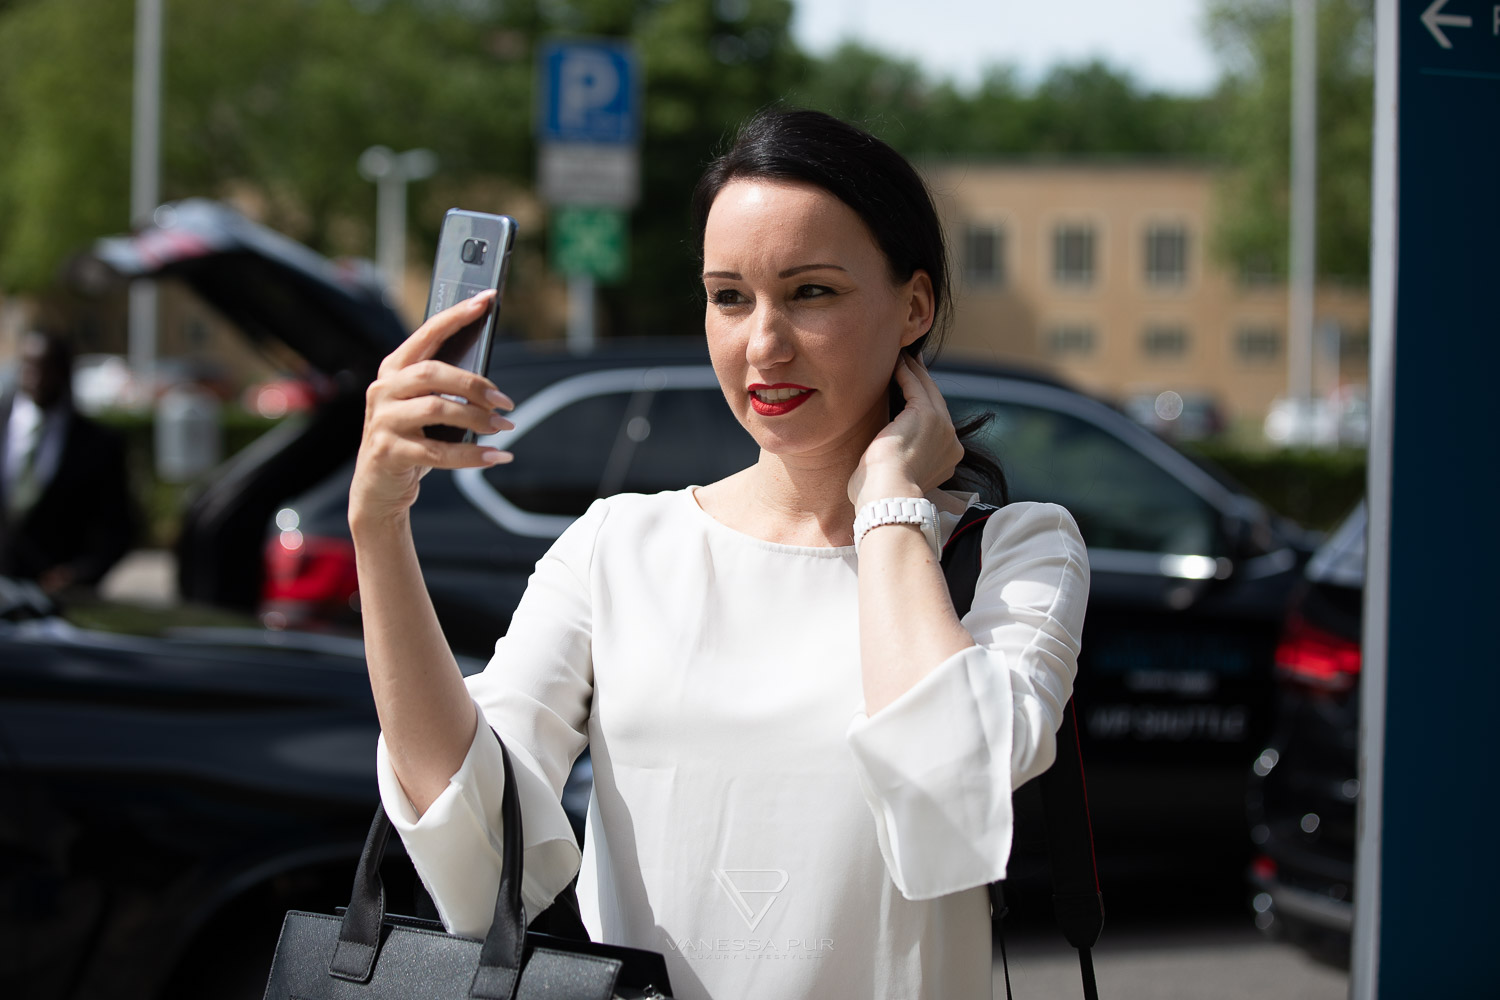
x,y
813,291
726,297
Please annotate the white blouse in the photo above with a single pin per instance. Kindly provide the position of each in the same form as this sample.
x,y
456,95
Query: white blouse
x,y
748,820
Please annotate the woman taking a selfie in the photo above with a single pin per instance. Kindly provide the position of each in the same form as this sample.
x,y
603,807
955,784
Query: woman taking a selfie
x,y
803,759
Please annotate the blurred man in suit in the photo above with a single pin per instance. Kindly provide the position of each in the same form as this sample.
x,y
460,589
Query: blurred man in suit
x,y
66,514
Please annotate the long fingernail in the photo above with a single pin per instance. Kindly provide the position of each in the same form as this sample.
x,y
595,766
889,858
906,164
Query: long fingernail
x,y
494,456
497,398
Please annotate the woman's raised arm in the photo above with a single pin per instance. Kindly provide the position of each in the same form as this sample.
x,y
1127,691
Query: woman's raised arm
x,y
426,714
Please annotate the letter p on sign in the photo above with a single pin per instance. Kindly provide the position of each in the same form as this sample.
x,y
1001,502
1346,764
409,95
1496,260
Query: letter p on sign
x,y
588,82
588,91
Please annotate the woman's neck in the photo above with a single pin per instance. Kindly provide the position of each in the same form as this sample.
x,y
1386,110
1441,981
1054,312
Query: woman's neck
x,y
806,499
791,503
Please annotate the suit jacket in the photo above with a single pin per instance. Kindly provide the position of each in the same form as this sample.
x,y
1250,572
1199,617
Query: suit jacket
x,y
84,519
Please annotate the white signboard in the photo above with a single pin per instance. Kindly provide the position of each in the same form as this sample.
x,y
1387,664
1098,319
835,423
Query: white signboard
x,y
587,173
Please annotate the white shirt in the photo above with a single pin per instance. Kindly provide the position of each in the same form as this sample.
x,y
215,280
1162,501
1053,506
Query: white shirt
x,y
748,820
30,427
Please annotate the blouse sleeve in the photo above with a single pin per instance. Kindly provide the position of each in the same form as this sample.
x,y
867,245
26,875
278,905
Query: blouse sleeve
x,y
939,763
535,693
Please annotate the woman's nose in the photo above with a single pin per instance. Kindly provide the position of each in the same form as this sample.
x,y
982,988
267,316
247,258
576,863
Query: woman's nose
x,y
769,343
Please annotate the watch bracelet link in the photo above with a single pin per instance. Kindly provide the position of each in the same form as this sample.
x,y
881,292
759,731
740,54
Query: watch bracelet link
x,y
899,510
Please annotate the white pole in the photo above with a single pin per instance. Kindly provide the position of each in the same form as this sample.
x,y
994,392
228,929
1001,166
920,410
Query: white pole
x,y
581,327
1364,959
391,172
145,171
1304,221
390,231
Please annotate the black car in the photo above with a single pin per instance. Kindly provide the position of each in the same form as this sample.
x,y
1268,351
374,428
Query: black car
x,y
1305,786
173,781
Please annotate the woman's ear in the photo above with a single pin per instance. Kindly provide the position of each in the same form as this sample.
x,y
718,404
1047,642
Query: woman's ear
x,y
921,306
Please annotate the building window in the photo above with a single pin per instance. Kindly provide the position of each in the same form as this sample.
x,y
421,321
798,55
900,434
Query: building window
x,y
1073,255
1257,344
1166,255
1070,341
984,255
1164,342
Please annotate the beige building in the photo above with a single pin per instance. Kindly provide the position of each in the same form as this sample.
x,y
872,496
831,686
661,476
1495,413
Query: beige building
x,y
1104,274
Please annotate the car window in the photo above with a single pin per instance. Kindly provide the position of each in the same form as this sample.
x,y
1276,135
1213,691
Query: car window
x,y
1120,498
560,462
623,442
688,436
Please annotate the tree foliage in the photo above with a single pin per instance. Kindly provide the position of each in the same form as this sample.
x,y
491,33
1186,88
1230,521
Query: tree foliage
x,y
1086,109
1254,37
278,96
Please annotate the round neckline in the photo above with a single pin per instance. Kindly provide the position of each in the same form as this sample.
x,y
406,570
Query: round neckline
x,y
946,523
816,551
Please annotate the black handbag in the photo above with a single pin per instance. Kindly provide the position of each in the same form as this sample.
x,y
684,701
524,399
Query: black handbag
x,y
367,954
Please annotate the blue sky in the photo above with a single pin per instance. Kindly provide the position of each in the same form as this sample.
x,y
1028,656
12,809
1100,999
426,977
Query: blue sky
x,y
1160,41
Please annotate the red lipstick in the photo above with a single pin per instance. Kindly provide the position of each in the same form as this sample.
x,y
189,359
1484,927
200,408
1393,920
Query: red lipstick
x,y
776,409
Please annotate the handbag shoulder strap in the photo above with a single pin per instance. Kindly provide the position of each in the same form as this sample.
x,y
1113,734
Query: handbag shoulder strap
x,y
1076,899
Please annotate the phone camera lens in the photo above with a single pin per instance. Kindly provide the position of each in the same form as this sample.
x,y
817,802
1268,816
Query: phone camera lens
x,y
473,251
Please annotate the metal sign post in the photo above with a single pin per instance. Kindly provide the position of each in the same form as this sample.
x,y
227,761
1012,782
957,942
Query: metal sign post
x,y
1302,256
588,164
391,172
145,174
1426,874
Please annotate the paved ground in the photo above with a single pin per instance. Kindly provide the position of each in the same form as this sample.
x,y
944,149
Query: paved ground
x,y
1221,958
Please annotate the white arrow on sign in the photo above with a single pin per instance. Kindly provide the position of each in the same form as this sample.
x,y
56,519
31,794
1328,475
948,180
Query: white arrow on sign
x,y
1435,21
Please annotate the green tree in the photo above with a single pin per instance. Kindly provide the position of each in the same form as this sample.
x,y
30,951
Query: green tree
x,y
1087,109
1255,39
277,96
1093,109
65,117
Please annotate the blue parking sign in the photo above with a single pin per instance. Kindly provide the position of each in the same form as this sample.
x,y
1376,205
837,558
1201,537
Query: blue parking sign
x,y
588,91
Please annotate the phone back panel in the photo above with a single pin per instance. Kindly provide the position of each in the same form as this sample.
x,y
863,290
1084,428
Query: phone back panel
x,y
473,256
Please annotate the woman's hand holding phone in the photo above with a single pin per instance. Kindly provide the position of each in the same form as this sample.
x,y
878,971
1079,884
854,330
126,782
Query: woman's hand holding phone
x,y
408,395
916,452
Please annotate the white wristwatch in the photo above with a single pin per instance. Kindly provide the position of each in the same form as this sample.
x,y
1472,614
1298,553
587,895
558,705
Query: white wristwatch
x,y
899,510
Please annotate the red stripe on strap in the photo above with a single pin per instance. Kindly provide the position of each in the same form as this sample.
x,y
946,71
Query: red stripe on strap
x,y
964,528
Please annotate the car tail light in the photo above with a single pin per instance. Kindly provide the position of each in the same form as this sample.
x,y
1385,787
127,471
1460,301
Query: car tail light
x,y
307,578
1309,656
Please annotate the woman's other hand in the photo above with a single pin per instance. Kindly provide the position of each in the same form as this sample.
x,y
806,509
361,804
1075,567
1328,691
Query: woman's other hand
x,y
394,453
915,453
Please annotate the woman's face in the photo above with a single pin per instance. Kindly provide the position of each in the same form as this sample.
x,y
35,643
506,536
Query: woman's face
x,y
804,321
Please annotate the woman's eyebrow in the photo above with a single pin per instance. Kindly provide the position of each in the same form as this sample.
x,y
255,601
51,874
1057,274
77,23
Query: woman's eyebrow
x,y
810,267
789,272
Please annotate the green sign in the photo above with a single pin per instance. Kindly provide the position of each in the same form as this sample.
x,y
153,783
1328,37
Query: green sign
x,y
590,242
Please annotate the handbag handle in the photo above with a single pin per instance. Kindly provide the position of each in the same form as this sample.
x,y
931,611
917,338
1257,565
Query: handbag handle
x,y
504,946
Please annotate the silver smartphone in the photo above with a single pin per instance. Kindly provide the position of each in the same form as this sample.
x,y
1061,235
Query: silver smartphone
x,y
473,256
